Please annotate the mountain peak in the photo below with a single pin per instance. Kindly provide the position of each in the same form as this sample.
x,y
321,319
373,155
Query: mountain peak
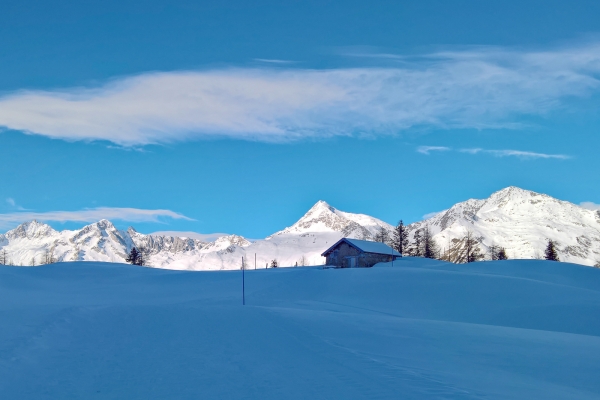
x,y
31,229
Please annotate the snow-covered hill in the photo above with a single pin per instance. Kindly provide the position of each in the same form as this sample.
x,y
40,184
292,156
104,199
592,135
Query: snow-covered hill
x,y
519,220
422,329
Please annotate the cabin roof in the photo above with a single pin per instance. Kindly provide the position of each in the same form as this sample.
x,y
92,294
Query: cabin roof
x,y
365,246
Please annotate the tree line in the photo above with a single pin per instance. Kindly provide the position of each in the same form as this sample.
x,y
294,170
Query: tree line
x,y
466,249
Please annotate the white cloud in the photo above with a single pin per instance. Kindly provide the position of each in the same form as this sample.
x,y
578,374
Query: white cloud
x,y
514,153
11,202
274,61
525,154
205,237
476,88
590,206
91,215
471,151
432,214
427,149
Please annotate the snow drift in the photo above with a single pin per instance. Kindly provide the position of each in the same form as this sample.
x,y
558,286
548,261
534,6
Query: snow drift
x,y
419,329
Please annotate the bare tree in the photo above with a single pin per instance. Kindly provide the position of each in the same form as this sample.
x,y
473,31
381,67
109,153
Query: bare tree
x,y
4,257
382,235
472,249
48,257
302,261
274,263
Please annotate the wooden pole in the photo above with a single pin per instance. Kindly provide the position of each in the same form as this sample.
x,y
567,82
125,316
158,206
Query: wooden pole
x,y
243,283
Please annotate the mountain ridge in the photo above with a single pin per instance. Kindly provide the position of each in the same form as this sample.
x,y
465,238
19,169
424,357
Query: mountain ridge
x,y
518,219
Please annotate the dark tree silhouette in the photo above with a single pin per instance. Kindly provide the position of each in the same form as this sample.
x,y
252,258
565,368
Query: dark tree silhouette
x,y
430,247
133,257
502,254
400,238
550,253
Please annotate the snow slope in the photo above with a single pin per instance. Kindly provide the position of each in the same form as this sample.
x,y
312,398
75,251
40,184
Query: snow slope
x,y
521,221
421,329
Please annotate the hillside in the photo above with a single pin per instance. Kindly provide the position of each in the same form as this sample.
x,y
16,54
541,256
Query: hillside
x,y
521,221
420,329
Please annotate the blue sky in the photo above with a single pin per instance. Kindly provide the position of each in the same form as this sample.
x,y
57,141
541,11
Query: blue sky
x,y
237,118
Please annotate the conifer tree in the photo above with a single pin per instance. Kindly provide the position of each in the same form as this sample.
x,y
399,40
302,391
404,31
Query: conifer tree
x,y
550,253
502,254
133,257
430,247
417,244
400,238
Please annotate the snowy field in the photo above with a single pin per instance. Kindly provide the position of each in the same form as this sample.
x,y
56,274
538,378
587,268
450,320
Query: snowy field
x,y
421,329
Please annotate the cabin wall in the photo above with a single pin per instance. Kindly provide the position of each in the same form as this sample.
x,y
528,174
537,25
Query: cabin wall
x,y
370,259
338,256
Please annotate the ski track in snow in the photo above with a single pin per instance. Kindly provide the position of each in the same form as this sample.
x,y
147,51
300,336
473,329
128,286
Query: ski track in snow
x,y
421,329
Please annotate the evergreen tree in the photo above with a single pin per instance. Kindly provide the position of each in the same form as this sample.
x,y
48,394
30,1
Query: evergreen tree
x,y
550,253
133,257
502,254
430,247
3,257
400,238
415,249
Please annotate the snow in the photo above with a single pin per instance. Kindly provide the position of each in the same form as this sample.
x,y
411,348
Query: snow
x,y
519,220
420,329
373,247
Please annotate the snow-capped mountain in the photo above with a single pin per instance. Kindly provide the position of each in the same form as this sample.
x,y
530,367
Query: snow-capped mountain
x,y
31,243
519,220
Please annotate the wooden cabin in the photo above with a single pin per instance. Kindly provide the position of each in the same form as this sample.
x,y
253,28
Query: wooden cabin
x,y
353,253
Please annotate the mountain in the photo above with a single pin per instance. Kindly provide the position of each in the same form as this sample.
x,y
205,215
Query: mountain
x,y
302,243
519,220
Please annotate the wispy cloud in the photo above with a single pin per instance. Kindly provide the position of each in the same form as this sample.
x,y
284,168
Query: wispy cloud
x,y
428,149
515,153
590,206
91,215
475,88
11,202
432,214
274,61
